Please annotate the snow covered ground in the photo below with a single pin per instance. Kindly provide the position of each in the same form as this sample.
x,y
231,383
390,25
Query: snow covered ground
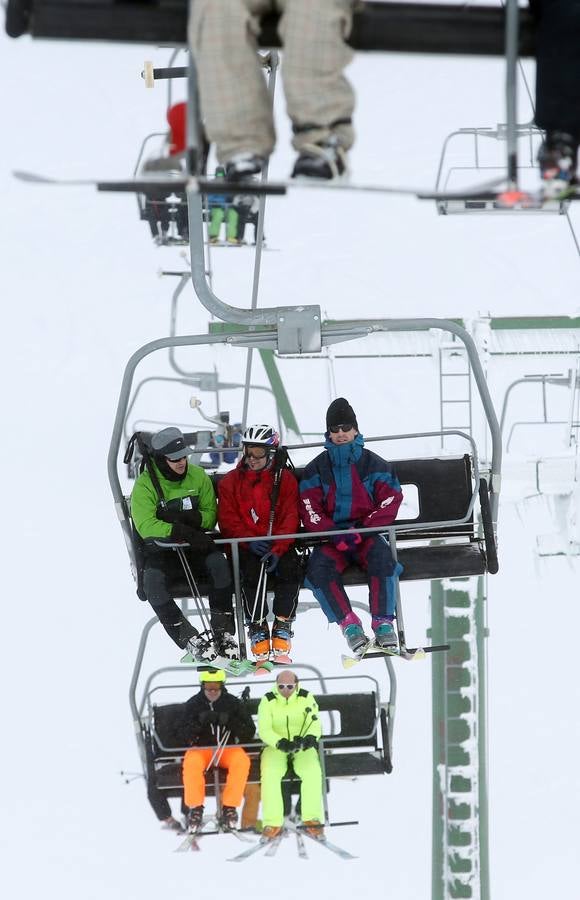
x,y
80,293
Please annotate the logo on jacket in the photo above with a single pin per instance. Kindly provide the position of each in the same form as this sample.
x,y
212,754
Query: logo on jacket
x,y
254,515
312,514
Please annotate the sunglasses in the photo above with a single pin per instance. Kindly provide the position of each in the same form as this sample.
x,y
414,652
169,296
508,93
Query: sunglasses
x,y
256,454
286,687
334,429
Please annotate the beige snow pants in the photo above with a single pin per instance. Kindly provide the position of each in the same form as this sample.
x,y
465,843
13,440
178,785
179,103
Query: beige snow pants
x,y
234,97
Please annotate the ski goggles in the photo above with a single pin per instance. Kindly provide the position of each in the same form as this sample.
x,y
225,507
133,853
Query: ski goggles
x,y
256,453
334,429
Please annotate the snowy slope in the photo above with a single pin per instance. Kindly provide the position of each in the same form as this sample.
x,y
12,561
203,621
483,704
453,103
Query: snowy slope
x,y
80,293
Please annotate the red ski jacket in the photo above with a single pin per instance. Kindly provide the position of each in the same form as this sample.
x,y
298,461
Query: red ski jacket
x,y
244,505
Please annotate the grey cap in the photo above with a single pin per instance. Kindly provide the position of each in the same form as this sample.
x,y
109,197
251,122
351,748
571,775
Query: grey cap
x,y
170,443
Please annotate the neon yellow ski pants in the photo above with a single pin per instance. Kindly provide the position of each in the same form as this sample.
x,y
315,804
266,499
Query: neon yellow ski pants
x,y
273,765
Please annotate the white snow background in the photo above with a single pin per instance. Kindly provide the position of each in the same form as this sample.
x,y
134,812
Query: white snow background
x,y
80,293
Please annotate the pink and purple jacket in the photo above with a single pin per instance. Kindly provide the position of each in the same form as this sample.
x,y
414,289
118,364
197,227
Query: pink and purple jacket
x,y
348,485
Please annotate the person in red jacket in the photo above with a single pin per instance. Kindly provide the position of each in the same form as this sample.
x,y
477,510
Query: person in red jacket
x,y
244,510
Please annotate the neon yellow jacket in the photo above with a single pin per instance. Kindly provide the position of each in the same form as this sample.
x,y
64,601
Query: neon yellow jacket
x,y
281,717
144,500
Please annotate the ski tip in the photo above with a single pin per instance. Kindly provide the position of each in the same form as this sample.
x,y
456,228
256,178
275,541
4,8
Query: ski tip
x,y
348,662
31,177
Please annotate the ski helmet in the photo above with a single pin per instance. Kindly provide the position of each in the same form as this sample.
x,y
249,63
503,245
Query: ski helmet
x,y
261,435
212,675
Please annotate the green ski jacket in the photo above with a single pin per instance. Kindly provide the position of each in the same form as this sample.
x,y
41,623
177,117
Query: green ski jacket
x,y
144,500
281,717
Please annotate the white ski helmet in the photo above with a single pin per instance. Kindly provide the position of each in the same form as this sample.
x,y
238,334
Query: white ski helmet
x,y
261,435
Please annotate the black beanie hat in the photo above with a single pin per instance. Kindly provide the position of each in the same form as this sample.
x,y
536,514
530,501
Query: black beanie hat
x,y
340,412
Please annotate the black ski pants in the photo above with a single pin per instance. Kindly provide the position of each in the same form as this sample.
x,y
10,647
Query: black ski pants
x,y
286,578
558,65
161,568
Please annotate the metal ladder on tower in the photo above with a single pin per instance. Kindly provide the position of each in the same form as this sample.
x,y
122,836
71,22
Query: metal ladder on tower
x,y
455,394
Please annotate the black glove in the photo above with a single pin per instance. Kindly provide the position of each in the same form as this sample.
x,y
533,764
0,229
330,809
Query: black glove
x,y
309,741
198,540
286,746
223,718
195,730
208,717
182,511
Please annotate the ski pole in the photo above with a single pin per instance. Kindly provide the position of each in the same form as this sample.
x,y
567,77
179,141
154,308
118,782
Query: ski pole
x,y
195,592
301,732
220,746
313,719
280,459
261,591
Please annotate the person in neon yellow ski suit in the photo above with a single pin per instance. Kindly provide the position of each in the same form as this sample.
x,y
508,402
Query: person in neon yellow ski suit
x,y
289,726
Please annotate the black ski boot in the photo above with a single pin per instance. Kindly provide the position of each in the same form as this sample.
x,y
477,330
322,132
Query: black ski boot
x,y
259,635
326,160
282,639
172,824
243,166
558,157
194,819
229,818
223,633
201,649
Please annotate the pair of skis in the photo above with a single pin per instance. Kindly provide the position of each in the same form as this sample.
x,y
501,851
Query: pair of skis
x,y
191,840
150,185
237,668
270,846
373,651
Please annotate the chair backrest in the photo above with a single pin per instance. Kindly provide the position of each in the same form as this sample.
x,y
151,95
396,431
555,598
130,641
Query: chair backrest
x,y
444,490
353,717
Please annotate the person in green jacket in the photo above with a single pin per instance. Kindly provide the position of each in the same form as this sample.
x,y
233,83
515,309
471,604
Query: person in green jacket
x,y
190,509
289,726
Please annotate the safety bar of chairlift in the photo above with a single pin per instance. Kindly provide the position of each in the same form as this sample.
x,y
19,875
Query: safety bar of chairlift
x,y
138,710
148,691
188,380
523,130
555,380
351,329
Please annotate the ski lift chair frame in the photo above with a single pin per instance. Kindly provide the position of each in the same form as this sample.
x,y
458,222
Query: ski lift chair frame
x,y
525,132
349,749
167,218
455,479
571,381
